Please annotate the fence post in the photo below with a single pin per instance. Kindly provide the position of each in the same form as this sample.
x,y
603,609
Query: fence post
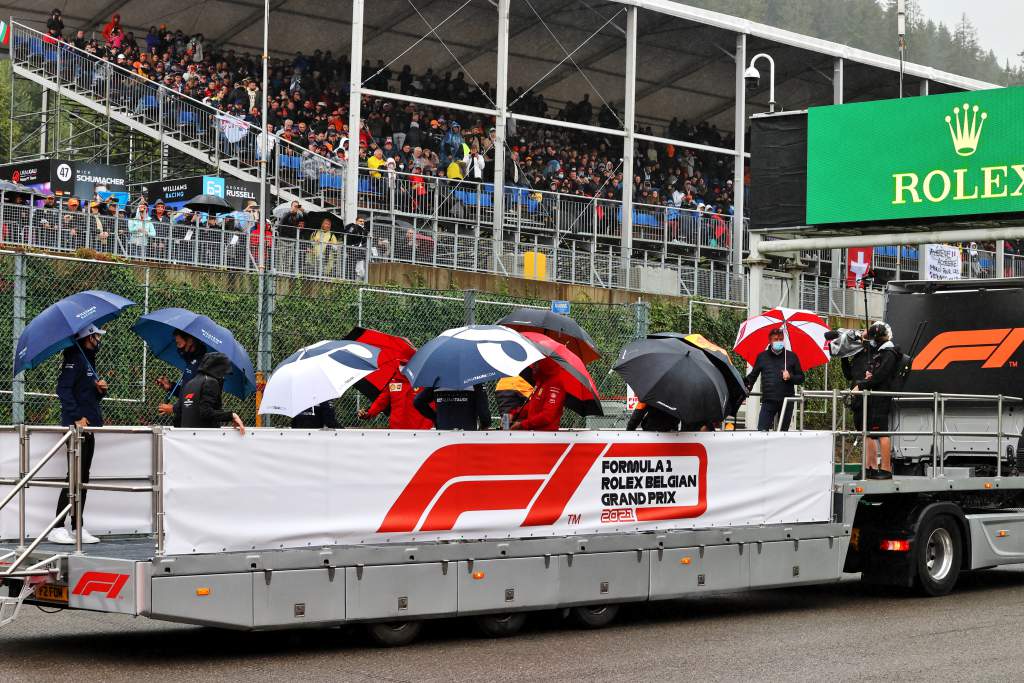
x,y
469,305
641,318
18,385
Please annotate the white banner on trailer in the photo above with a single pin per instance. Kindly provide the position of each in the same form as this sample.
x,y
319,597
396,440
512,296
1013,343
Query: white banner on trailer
x,y
119,459
282,489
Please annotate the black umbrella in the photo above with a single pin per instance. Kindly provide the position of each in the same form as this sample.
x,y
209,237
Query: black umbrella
x,y
719,357
315,218
8,186
209,203
561,328
675,378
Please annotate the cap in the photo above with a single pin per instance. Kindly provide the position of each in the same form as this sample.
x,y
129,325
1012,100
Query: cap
x,y
89,331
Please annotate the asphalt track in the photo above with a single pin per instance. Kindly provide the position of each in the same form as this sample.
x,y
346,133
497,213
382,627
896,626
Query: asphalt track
x,y
839,632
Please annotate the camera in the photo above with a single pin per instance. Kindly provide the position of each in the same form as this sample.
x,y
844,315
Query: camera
x,y
752,77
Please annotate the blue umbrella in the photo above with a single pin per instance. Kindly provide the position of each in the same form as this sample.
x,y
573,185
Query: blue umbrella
x,y
56,327
465,356
157,329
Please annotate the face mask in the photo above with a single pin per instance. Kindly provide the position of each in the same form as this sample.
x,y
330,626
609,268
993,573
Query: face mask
x,y
778,346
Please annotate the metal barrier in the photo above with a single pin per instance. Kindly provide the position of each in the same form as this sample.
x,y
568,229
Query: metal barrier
x,y
71,442
836,407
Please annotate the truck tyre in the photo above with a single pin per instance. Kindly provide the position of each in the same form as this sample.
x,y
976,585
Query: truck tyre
x,y
394,633
594,616
938,555
500,625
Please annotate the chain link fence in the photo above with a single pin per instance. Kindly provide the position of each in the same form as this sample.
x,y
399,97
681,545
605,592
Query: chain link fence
x,y
295,313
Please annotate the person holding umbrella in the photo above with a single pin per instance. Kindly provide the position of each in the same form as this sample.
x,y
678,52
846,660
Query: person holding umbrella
x,y
543,410
780,372
648,418
397,398
452,408
191,351
72,324
319,416
201,405
80,391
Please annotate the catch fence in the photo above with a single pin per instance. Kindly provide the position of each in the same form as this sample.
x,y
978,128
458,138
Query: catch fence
x,y
293,313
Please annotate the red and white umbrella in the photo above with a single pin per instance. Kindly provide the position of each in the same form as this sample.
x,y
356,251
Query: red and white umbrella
x,y
803,333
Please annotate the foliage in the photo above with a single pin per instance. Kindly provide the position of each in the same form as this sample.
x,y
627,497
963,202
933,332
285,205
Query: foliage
x,y
871,25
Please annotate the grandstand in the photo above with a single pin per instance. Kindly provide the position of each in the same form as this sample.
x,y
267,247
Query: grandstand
x,y
598,143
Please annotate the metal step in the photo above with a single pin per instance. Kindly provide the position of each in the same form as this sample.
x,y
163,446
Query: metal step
x,y
10,605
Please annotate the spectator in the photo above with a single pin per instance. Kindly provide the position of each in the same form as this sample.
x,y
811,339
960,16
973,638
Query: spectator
x,y
55,24
780,372
324,245
140,231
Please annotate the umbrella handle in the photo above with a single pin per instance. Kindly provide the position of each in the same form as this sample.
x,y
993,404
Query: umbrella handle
x,y
170,394
86,359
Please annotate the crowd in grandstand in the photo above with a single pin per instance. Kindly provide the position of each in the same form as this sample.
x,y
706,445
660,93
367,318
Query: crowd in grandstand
x,y
308,106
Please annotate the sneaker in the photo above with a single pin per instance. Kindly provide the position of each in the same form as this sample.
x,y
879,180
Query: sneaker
x,y
60,535
87,537
883,474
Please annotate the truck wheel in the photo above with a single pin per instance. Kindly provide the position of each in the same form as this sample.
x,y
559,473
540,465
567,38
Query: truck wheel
x,y
500,625
394,633
594,616
938,555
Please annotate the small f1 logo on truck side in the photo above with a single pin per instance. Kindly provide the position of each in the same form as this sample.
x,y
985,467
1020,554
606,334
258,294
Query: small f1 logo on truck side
x,y
101,582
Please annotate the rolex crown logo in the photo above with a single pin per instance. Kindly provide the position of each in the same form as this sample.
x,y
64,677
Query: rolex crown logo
x,y
965,128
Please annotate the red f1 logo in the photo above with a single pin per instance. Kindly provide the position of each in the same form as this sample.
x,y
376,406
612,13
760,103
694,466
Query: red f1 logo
x,y
539,478
100,582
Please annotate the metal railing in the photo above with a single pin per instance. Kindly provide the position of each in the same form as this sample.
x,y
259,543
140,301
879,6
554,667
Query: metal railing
x,y
295,172
71,443
836,408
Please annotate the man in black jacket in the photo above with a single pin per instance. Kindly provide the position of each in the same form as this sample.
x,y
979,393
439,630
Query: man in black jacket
x,y
780,372
881,370
201,399
650,419
464,409
80,391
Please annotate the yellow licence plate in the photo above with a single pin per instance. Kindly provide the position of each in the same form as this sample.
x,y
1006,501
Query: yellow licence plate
x,y
51,592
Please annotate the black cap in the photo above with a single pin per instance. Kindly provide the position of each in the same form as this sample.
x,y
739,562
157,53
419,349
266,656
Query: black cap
x,y
831,334
877,330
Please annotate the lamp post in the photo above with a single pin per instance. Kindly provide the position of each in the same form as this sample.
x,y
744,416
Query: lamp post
x,y
753,77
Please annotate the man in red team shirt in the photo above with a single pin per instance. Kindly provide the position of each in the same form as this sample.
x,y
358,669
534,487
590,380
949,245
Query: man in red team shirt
x,y
398,395
543,411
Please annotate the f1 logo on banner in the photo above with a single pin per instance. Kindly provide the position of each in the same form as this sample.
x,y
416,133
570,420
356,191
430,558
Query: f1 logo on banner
x,y
645,479
995,347
101,582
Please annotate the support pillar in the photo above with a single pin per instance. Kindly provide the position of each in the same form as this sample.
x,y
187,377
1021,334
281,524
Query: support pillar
x,y
740,128
354,103
628,143
500,122
838,278
18,385
1000,258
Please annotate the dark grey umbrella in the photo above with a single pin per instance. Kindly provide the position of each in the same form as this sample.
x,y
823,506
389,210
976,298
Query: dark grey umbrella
x,y
315,218
209,203
676,378
561,328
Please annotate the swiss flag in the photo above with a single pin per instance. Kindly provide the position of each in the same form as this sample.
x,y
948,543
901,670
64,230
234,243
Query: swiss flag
x,y
858,263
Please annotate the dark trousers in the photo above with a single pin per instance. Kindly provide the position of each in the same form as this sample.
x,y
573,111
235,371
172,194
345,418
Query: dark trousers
x,y
88,448
770,412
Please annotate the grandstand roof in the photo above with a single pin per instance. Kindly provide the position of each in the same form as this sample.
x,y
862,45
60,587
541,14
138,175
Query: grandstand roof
x,y
685,67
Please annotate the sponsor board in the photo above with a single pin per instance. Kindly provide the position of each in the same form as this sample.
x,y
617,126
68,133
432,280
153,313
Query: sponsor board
x,y
288,489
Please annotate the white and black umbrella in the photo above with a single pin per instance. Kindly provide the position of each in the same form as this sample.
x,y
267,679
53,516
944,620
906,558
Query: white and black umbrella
x,y
317,373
